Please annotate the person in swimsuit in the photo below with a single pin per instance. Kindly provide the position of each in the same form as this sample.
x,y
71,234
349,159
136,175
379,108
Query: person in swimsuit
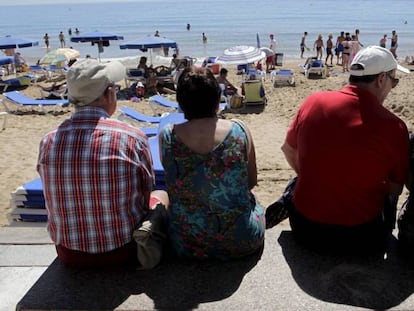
x,y
394,43
318,45
303,44
347,48
339,47
329,46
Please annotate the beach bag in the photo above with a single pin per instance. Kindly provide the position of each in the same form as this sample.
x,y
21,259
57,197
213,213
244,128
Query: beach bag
x,y
150,237
236,101
406,224
279,210
405,220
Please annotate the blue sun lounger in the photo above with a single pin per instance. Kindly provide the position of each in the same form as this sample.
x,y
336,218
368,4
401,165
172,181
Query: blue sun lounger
x,y
17,98
28,202
162,101
132,113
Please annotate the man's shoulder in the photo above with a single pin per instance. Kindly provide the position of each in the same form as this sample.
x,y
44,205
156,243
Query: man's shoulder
x,y
122,127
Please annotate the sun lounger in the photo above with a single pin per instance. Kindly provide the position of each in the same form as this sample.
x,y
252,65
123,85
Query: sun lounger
x,y
137,119
134,75
312,67
162,101
174,118
18,83
17,98
253,93
283,77
132,113
28,203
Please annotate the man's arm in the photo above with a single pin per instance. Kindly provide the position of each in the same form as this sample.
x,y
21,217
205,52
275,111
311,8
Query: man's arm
x,y
291,156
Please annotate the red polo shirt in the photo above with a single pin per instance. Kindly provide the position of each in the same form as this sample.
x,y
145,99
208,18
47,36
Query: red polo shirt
x,y
349,147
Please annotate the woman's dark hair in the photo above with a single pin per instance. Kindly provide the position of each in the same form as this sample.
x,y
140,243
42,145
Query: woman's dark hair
x,y
198,93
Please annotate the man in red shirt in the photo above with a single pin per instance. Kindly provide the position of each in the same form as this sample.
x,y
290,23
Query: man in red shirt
x,y
350,154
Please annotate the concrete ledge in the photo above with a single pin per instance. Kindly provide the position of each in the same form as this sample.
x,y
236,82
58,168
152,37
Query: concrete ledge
x,y
284,277
24,235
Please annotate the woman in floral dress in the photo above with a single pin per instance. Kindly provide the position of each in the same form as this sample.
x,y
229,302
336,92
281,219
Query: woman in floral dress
x,y
210,169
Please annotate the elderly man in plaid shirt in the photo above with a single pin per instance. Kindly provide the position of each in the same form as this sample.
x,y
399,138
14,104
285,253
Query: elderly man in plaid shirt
x,y
97,173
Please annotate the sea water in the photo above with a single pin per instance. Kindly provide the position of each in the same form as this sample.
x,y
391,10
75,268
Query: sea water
x,y
225,23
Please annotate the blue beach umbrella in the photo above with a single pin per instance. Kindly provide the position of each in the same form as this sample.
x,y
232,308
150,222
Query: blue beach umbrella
x,y
9,42
148,43
100,38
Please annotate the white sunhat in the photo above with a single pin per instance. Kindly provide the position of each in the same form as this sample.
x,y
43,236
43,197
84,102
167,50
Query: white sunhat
x,y
374,60
87,79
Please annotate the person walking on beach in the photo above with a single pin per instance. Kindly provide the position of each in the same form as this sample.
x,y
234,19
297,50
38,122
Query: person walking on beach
x,y
303,44
357,38
46,38
346,52
394,43
350,154
383,41
270,60
204,38
329,47
339,48
318,45
96,172
62,39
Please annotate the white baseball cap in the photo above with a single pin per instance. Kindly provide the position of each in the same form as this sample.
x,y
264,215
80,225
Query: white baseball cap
x,y
374,60
87,79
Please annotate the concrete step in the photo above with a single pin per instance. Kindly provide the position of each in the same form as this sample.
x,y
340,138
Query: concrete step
x,y
285,276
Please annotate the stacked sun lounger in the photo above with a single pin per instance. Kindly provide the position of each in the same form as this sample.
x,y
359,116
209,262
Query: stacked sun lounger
x,y
28,203
158,168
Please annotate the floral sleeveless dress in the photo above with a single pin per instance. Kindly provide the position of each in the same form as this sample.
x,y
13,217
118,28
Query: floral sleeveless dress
x,y
212,212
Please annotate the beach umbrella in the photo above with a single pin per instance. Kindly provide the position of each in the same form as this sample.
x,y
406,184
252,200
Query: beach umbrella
x,y
267,51
9,42
257,40
240,54
148,43
101,39
59,56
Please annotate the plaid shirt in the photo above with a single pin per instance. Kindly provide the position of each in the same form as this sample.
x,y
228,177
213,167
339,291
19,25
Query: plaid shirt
x,y
97,177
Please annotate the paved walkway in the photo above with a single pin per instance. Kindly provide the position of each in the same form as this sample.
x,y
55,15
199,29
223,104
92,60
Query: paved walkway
x,y
283,277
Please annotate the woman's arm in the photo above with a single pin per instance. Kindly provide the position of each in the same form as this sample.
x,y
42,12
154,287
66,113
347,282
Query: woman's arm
x,y
251,157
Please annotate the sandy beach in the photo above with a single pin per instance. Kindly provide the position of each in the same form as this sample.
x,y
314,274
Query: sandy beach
x,y
23,132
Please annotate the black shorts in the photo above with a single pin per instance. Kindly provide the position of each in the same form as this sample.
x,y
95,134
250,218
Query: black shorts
x,y
366,238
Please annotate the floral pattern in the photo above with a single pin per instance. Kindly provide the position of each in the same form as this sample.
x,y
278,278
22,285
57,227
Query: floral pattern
x,y
212,213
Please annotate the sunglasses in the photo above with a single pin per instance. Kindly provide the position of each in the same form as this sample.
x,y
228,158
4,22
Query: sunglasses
x,y
393,80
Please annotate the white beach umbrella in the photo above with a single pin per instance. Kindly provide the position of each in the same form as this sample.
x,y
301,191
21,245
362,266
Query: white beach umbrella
x,y
267,51
240,54
59,56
